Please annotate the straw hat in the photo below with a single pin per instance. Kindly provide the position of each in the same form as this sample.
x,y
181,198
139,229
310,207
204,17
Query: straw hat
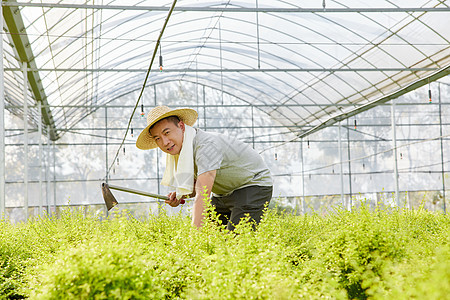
x,y
145,140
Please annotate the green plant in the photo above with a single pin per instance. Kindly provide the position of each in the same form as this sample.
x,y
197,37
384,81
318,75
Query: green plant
x,y
366,253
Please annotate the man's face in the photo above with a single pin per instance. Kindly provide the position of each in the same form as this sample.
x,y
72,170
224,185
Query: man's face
x,y
168,136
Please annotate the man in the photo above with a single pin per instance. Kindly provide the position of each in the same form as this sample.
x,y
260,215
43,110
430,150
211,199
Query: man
x,y
199,162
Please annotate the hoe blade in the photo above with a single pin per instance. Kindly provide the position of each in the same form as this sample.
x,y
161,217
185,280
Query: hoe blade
x,y
109,198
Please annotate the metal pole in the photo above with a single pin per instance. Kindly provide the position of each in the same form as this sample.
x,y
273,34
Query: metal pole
x,y
2,122
230,9
394,142
303,178
349,167
40,157
196,86
47,171
253,130
106,144
341,169
157,154
221,61
25,137
157,171
257,36
442,148
106,150
54,178
204,109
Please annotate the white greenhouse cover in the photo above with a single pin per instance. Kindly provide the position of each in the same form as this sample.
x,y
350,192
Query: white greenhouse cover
x,y
301,62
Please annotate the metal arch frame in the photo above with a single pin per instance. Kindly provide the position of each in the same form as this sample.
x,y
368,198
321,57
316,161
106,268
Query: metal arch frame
x,y
58,90
327,112
331,87
230,70
418,83
361,77
82,58
205,70
17,32
280,92
282,59
230,87
356,55
234,9
305,57
89,55
259,107
209,71
400,37
308,85
129,91
294,112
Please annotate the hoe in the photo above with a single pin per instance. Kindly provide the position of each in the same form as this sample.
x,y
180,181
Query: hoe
x,y
111,201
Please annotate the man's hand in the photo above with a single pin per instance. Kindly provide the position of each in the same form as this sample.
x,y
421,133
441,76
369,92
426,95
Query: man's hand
x,y
173,201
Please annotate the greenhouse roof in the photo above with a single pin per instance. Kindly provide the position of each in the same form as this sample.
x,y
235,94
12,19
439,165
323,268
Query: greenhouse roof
x,y
306,66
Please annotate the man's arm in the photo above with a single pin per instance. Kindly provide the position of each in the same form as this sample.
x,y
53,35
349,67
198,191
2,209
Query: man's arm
x,y
203,180
174,202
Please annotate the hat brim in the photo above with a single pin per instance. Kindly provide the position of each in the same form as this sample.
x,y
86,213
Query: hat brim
x,y
146,142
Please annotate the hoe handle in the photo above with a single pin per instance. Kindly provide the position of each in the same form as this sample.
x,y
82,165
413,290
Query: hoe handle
x,y
122,189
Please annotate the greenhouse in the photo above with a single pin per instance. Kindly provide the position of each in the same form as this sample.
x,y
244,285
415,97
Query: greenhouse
x,y
236,149
345,100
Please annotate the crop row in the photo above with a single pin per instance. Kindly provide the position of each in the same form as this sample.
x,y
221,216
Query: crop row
x,y
375,254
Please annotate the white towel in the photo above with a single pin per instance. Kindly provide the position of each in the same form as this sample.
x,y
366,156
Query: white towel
x,y
179,172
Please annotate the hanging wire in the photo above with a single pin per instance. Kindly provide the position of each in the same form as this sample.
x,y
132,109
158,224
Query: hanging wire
x,y
160,59
429,90
158,41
